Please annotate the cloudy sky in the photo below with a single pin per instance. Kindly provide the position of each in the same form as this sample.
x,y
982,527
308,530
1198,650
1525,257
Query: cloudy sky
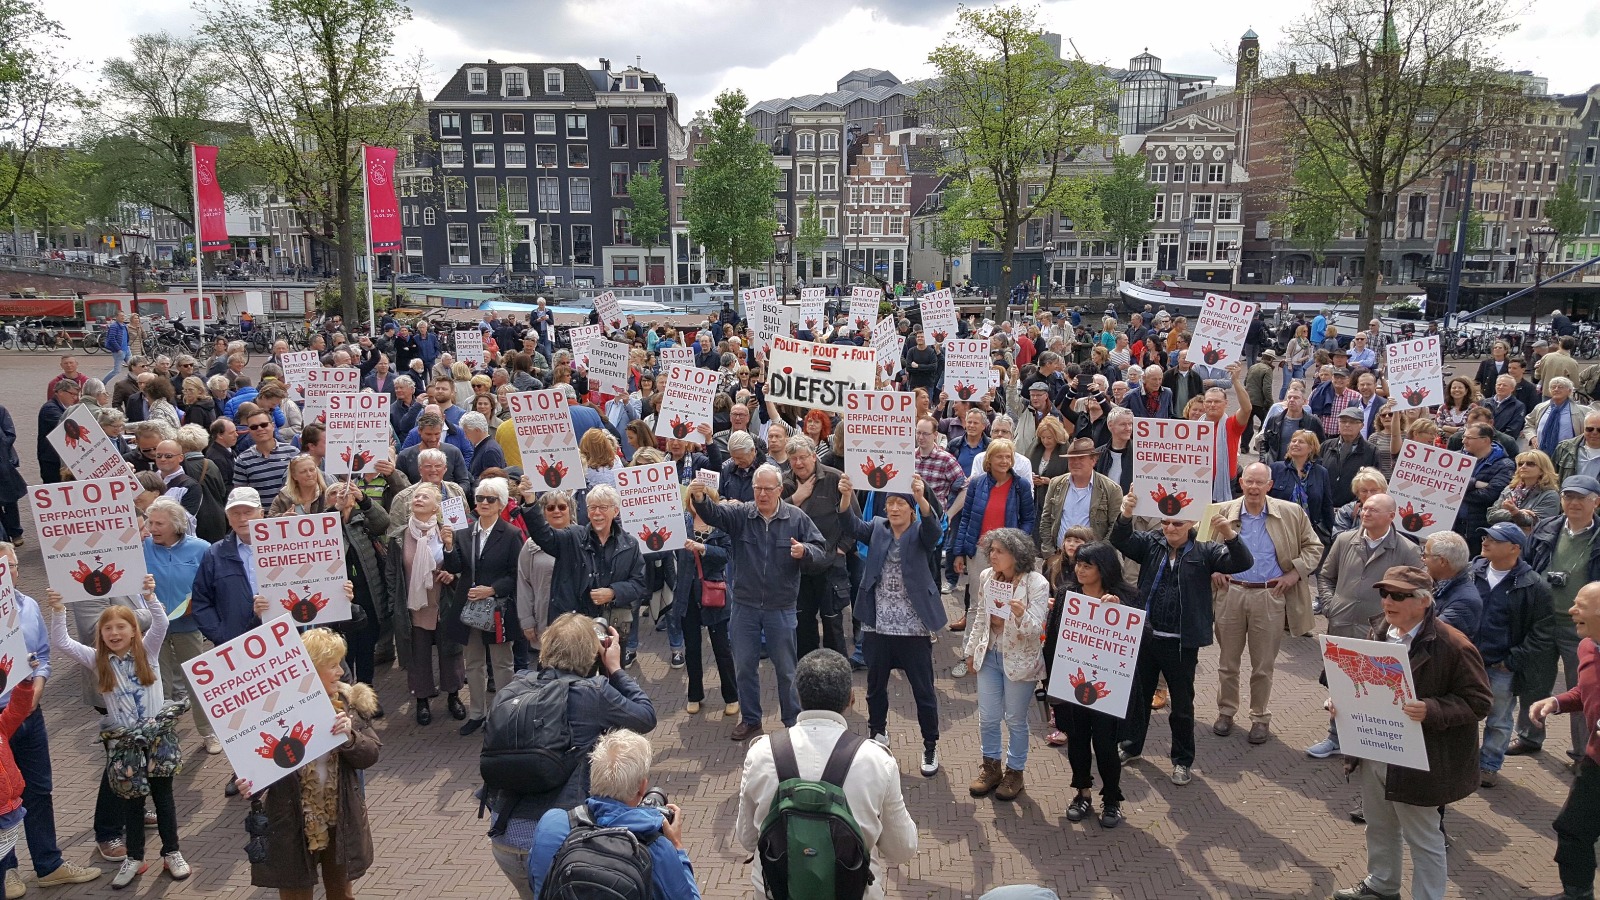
x,y
776,48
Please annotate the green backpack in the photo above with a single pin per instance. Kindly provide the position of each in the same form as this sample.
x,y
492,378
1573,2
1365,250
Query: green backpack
x,y
810,844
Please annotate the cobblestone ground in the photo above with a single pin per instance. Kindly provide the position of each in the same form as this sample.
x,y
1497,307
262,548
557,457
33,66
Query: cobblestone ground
x,y
1257,822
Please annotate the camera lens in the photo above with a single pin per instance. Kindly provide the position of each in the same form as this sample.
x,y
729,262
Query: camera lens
x,y
657,799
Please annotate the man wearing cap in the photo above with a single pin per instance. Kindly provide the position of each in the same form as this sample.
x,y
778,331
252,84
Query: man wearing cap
x,y
1253,607
1150,400
1028,417
1080,497
1565,551
1452,695
1345,580
1559,418
1515,635
1336,394
1347,455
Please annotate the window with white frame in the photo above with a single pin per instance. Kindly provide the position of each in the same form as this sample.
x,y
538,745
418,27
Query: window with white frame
x,y
619,226
513,83
875,195
830,177
550,244
1158,209
517,193
1200,207
578,194
544,123
1158,173
619,179
1179,170
805,177
805,141
413,246
577,127
874,225
554,81
482,123
577,156
1216,173
451,156
780,213
855,224
1227,207
511,123
855,193
647,132
830,214
1227,242
830,140
449,125
487,190
1175,207
896,224
517,155
1199,247
680,175
544,156
483,156
1194,172
477,81
455,193
549,194
619,131
456,234
632,83
877,166
897,195
428,216
488,245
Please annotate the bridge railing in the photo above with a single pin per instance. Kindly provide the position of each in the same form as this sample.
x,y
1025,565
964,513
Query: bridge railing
x,y
28,262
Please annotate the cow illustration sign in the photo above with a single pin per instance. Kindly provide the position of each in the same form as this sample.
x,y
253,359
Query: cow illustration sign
x,y
938,316
652,505
812,317
264,698
966,368
1428,486
299,567
1097,651
89,535
1172,467
1369,683
547,440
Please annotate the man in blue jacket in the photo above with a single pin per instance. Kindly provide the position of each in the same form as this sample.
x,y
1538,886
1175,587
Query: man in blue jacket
x,y
116,341
619,783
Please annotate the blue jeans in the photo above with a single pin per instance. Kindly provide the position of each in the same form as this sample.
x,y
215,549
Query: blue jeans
x,y
1000,696
746,625
1502,715
30,746
119,358
674,632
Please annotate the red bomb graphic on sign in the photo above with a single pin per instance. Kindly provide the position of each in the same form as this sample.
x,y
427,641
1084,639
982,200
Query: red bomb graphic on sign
x,y
1086,691
97,581
878,476
289,751
1170,504
304,609
654,538
551,472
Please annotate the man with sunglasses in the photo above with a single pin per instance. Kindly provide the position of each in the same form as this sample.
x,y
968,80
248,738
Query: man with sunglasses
x,y
1580,454
1402,805
264,466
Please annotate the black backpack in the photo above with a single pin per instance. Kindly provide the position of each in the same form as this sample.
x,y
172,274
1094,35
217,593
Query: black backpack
x,y
596,863
527,742
810,844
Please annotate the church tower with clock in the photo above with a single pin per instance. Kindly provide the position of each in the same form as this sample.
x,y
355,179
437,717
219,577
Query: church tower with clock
x,y
1249,65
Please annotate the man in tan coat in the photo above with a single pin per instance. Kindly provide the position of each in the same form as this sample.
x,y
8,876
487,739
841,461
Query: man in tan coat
x,y
1253,606
1557,363
1080,497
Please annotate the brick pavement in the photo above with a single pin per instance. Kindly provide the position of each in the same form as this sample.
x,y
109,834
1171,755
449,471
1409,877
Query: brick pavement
x,y
1258,822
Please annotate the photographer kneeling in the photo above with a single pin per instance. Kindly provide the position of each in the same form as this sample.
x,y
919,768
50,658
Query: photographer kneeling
x,y
582,857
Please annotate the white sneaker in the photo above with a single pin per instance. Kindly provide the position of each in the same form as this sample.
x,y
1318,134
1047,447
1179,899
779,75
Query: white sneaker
x,y
175,865
930,762
15,886
882,738
213,744
127,872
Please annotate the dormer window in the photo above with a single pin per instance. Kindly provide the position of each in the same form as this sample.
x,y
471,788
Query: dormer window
x,y
554,81
477,81
631,83
513,83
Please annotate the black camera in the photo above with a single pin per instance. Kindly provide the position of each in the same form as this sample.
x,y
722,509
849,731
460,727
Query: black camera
x,y
258,826
602,630
655,798
1556,579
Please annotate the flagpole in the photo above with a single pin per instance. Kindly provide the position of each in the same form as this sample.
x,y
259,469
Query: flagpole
x,y
366,204
199,255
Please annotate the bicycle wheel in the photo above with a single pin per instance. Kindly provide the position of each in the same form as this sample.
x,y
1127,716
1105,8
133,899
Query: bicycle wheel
x,y
91,342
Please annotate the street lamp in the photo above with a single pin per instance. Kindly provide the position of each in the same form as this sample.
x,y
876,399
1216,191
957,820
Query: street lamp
x,y
1543,242
1233,266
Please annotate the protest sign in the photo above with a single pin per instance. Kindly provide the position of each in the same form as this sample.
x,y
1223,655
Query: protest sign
x,y
880,439
609,309
262,695
997,597
938,316
1172,467
1369,682
864,303
666,356
887,345
13,643
803,373
454,511
966,368
1428,486
686,399
1219,336
1097,651
755,302
296,363
608,367
813,317
469,348
358,433
775,318
299,567
85,449
711,478
89,535
581,337
987,329
652,505
1415,373
324,383
547,440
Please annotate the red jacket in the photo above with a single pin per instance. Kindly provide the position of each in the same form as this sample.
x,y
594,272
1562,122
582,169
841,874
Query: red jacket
x,y
1584,699
17,710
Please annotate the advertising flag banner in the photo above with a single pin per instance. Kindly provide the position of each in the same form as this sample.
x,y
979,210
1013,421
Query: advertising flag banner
x,y
1097,650
1415,373
609,309
358,433
686,400
213,224
818,376
299,563
547,440
864,303
262,695
89,535
85,448
888,345
469,348
608,367
812,314
1369,682
13,643
324,383
880,442
938,316
1172,467
581,337
454,511
652,505
666,356
383,206
1429,485
1219,336
296,363
966,368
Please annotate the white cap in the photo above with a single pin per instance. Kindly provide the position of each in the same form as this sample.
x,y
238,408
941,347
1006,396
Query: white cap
x,y
243,497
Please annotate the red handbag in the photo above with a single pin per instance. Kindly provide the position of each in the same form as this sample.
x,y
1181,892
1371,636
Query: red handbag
x,y
713,594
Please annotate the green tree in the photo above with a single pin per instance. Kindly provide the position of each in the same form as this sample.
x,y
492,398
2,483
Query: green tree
x,y
505,227
1566,213
1313,209
1016,115
1127,204
35,97
316,79
810,236
729,204
1395,90
648,219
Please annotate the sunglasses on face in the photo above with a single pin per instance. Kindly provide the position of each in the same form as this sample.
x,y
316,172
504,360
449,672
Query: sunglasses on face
x,y
260,425
1391,595
485,499
555,507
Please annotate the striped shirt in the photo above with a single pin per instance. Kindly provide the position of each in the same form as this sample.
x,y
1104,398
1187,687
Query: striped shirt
x,y
264,473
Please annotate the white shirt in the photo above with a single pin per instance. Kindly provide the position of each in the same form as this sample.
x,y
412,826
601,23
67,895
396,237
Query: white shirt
x,y
872,790
1494,576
